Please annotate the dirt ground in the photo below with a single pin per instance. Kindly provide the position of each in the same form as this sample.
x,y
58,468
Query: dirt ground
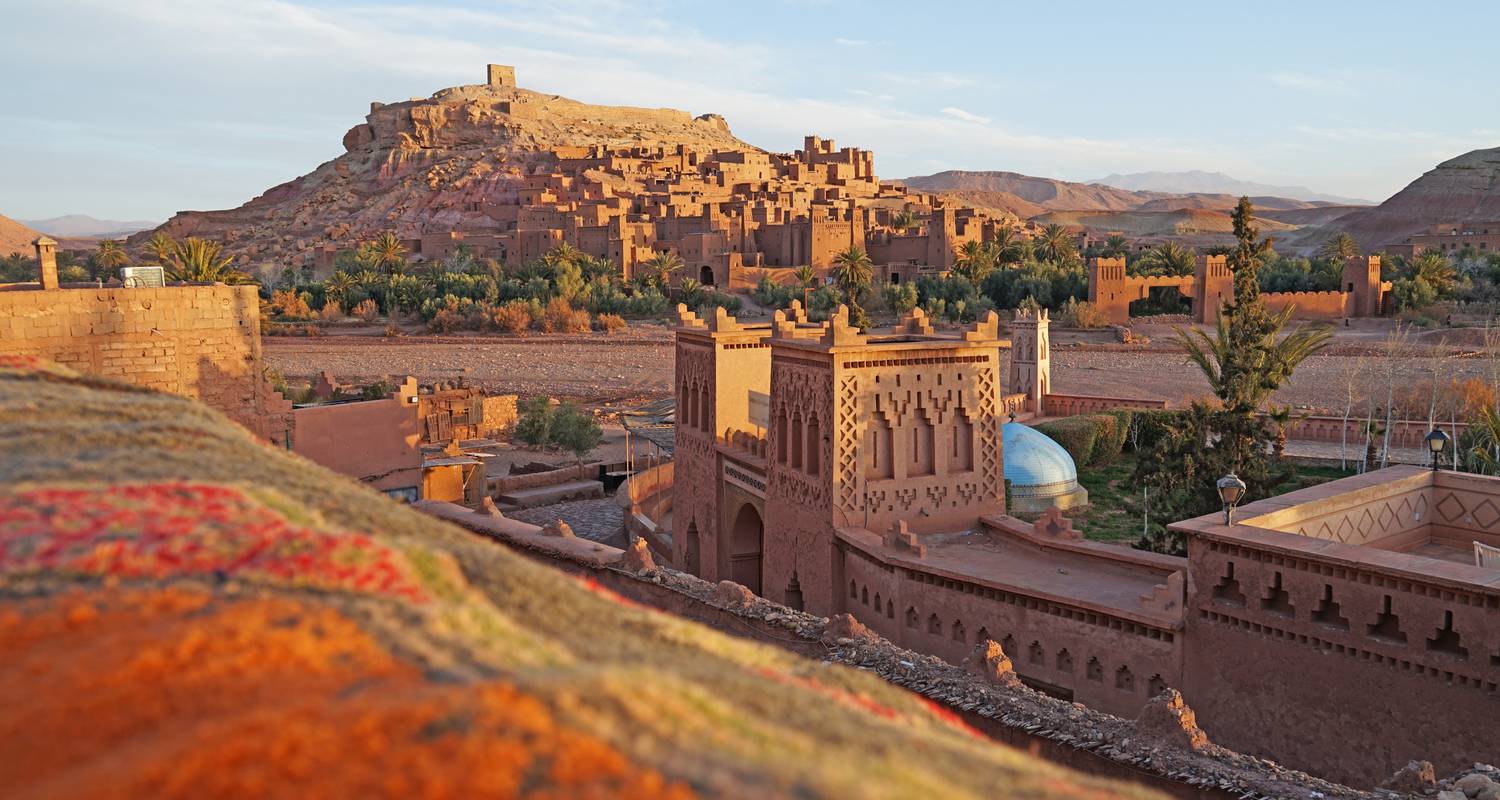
x,y
637,366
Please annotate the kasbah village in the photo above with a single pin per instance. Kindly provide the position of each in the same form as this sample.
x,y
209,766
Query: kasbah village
x,y
538,448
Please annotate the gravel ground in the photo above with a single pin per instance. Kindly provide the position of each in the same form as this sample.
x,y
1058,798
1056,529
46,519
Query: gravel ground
x,y
598,369
599,520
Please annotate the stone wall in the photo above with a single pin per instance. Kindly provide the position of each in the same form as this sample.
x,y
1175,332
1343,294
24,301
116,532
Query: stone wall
x,y
1067,405
200,341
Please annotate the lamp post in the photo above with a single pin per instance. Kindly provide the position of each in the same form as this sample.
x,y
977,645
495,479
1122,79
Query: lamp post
x,y
1231,489
1436,441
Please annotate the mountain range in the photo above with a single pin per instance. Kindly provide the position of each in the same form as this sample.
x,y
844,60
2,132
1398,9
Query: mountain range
x,y
1200,182
82,225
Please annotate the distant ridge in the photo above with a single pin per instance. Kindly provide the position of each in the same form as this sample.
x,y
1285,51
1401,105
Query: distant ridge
x,y
1200,182
82,225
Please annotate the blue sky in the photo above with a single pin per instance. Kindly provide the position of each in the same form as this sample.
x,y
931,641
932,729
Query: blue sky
x,y
138,109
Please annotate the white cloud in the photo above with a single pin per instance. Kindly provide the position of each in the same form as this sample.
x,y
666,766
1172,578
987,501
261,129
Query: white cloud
x,y
842,42
958,113
1306,82
927,80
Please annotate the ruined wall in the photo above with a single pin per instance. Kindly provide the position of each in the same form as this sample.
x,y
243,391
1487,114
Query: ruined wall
x,y
373,441
198,341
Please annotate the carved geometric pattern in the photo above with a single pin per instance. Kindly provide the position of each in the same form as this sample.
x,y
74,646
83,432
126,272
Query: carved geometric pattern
x,y
846,441
1486,514
1450,508
990,462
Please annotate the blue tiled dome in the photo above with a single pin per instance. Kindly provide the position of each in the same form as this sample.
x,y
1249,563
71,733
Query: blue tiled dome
x,y
1035,465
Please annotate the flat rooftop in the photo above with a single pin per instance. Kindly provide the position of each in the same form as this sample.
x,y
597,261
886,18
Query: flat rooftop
x,y
1406,518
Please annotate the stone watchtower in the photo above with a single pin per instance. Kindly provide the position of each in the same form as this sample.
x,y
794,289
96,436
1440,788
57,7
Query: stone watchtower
x,y
1362,279
501,76
46,256
1030,370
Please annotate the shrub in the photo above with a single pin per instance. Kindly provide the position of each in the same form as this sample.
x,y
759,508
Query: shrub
x,y
1149,426
1108,438
560,317
392,330
288,304
709,300
513,317
1077,313
366,310
1075,434
331,312
899,297
541,424
647,303
456,314
609,323
770,294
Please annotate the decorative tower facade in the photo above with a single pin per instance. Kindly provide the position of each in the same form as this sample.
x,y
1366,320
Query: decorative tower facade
x,y
1030,370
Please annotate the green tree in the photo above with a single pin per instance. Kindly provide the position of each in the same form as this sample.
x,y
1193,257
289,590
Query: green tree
x,y
975,261
575,430
1434,269
1055,244
1007,246
203,261
904,220
108,258
534,422
338,287
1115,246
852,273
1245,360
385,253
807,277
161,247
1339,248
1167,258
660,267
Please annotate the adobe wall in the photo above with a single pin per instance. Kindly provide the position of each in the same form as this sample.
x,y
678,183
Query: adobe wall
x,y
1067,405
373,441
1321,693
202,342
1405,433
1325,306
1105,661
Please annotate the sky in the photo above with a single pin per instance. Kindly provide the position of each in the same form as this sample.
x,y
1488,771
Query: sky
x,y
135,110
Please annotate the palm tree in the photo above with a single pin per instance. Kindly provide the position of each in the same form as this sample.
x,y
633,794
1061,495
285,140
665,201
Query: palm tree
x,y
1007,246
807,277
852,271
1279,356
1434,268
161,247
659,268
1168,258
203,261
338,286
1055,244
109,256
386,253
904,220
563,253
1281,418
1115,246
1339,248
1485,451
975,261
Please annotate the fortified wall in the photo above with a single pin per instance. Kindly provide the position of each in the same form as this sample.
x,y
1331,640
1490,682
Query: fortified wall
x,y
1112,290
199,341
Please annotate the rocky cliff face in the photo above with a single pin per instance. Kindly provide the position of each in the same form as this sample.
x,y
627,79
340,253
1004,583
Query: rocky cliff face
x,y
1464,189
429,165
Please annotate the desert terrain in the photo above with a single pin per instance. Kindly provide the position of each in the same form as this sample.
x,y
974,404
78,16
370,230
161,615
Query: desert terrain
x,y
635,367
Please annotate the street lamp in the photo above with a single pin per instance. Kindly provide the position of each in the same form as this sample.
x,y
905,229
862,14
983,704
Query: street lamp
x,y
1436,441
1231,489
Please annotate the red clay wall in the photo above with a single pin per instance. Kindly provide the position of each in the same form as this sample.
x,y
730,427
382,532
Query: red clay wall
x,y
375,441
199,341
1338,702
1312,305
1066,405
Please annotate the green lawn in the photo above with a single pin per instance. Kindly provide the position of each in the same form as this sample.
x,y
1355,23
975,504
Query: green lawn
x,y
1115,507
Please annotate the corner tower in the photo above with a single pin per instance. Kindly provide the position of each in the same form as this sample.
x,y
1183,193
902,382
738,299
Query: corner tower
x,y
1030,370
867,431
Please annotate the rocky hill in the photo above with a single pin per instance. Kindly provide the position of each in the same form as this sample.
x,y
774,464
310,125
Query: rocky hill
x,y
15,237
1463,189
430,164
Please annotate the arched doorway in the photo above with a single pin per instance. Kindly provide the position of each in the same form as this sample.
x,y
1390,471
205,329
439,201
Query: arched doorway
x,y
690,548
706,275
744,548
